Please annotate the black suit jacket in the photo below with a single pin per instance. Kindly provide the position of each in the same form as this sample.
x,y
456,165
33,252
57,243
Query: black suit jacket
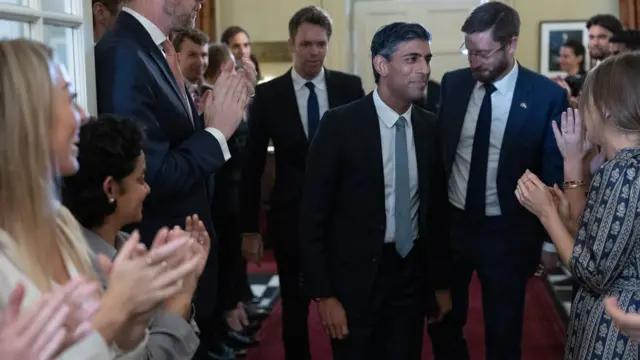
x,y
343,215
274,115
134,80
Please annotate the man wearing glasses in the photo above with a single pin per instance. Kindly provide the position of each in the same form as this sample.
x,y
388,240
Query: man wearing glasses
x,y
496,121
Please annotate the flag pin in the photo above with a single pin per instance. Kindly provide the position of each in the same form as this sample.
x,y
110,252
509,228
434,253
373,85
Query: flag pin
x,y
523,105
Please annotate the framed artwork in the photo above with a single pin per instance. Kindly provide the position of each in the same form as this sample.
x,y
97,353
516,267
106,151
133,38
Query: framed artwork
x,y
273,51
553,34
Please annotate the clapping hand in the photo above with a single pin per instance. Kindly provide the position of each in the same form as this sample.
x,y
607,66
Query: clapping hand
x,y
139,283
563,205
51,326
225,110
534,195
570,137
202,241
198,247
248,69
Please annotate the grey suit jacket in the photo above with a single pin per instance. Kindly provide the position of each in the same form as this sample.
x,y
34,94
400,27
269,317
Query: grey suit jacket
x,y
170,336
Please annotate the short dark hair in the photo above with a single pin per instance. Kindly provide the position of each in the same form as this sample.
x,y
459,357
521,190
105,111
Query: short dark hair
x,y
230,32
387,38
606,21
630,39
578,50
112,5
197,36
313,15
219,54
502,19
109,146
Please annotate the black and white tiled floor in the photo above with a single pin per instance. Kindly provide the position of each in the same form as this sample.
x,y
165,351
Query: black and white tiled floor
x,y
266,287
562,286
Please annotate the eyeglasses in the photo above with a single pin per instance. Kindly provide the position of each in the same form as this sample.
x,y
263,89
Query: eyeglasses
x,y
479,54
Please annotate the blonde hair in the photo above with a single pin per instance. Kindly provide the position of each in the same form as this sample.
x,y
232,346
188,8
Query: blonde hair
x,y
40,228
610,93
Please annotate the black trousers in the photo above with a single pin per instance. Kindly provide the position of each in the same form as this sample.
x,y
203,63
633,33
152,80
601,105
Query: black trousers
x,y
295,306
491,249
391,326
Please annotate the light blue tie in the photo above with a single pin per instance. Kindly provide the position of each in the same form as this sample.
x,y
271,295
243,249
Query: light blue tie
x,y
404,229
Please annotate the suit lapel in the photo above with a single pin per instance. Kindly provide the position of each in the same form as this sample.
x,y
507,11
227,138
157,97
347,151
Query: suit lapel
x,y
518,115
157,55
373,142
293,112
455,116
423,153
333,89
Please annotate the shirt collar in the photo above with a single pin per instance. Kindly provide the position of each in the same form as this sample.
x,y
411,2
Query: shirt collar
x,y
387,114
156,34
507,83
299,81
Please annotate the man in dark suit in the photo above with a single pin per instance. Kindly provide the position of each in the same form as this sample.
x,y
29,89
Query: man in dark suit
x,y
496,118
138,76
287,110
372,236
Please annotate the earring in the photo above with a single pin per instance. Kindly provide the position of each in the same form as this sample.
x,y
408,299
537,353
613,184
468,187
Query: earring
x,y
111,200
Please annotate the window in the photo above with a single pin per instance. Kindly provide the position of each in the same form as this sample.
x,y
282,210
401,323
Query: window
x,y
64,25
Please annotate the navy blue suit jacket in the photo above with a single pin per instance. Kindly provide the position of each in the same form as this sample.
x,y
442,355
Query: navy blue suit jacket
x,y
528,141
134,80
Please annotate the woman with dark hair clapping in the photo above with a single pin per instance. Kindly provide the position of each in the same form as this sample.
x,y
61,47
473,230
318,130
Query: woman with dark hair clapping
x,y
107,194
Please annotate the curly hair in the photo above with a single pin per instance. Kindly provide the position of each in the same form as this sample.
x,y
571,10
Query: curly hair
x,y
109,146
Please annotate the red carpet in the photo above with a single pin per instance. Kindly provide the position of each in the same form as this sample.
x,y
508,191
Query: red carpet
x,y
544,330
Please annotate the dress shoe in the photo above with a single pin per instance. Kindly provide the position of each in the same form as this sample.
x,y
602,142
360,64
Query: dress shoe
x,y
241,352
252,328
222,352
256,313
239,340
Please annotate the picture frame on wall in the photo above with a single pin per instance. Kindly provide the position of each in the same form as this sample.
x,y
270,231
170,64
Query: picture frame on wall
x,y
553,34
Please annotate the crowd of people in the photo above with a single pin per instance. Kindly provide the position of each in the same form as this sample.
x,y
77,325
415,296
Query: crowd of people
x,y
127,235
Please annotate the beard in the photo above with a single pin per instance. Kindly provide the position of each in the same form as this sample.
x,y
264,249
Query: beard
x,y
491,72
180,18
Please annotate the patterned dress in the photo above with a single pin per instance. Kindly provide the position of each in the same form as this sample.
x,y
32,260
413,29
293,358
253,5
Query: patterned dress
x,y
606,261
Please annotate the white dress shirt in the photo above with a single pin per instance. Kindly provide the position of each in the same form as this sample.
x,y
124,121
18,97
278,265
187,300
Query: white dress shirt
x,y
302,95
158,38
500,108
387,118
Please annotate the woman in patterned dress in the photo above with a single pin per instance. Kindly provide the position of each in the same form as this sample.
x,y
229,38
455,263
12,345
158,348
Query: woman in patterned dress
x,y
602,249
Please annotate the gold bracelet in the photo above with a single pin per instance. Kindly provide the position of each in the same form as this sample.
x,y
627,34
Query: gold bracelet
x,y
573,184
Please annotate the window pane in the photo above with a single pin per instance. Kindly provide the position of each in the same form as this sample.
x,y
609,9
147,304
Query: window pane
x,y
60,39
59,6
12,2
13,29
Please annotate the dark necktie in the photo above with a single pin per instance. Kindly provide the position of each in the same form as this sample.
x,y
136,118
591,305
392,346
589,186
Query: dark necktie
x,y
313,110
477,185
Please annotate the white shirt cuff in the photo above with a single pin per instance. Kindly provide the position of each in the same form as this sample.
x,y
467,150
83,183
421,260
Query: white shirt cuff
x,y
222,140
548,247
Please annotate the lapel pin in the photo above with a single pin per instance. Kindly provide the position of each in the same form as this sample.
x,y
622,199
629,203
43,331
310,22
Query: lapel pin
x,y
523,105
